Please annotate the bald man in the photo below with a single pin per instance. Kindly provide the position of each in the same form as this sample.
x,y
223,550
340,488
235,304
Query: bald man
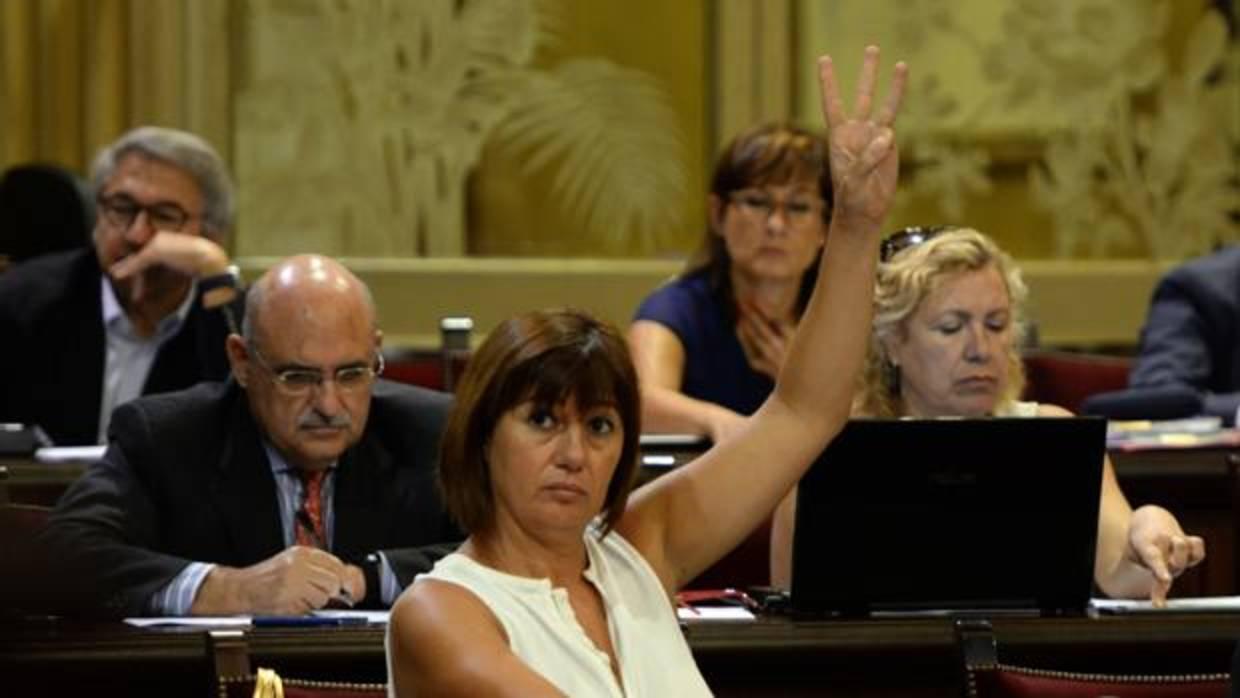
x,y
301,483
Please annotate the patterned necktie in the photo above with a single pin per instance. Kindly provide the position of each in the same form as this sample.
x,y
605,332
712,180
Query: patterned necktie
x,y
310,516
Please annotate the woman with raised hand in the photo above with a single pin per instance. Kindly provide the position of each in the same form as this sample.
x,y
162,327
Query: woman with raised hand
x,y
564,585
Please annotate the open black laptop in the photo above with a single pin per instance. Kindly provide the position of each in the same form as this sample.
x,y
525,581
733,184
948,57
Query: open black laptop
x,y
952,514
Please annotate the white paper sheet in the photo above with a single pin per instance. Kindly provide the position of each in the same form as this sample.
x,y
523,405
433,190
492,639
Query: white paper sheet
x,y
68,454
1198,604
345,617
372,617
714,613
198,621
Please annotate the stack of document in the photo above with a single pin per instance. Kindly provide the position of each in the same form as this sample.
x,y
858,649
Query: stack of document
x,y
324,618
1173,433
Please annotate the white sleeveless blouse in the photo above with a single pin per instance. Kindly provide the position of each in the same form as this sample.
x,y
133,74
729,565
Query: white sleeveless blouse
x,y
1018,408
542,629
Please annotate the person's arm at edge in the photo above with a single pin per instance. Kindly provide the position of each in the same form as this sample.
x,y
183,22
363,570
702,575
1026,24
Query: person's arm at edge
x,y
1175,349
686,520
443,641
659,357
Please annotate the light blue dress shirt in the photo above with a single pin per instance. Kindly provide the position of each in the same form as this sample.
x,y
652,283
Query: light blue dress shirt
x,y
129,356
177,596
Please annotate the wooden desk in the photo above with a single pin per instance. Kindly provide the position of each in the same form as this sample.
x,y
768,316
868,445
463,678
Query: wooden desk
x,y
773,656
27,481
1201,486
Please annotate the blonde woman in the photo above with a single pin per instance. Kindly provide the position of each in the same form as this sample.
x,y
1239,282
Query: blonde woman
x,y
948,316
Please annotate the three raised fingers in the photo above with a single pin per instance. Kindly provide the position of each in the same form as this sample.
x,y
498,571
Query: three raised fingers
x,y
865,85
887,114
833,105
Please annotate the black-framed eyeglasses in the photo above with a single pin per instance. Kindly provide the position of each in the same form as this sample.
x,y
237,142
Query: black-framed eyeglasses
x,y
300,382
759,204
905,238
121,210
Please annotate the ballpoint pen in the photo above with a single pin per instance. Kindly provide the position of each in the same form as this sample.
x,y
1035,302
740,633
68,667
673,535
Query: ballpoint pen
x,y
341,597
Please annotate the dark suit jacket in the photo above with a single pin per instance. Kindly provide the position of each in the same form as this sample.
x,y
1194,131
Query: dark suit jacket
x,y
1192,334
185,478
52,347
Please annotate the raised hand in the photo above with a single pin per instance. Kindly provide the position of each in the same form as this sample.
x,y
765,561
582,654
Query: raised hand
x,y
763,339
865,162
189,255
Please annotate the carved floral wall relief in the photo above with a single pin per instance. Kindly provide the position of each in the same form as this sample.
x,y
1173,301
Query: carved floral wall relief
x,y
1120,117
358,124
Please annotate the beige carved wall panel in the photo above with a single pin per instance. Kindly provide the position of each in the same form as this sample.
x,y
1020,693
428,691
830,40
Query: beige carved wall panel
x,y
359,124
75,73
754,50
1091,128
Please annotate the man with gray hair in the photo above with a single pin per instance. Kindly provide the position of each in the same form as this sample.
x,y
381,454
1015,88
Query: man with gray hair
x,y
303,481
144,312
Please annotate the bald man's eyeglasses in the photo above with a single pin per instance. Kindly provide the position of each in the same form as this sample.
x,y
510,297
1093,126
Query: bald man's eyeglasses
x,y
300,382
905,238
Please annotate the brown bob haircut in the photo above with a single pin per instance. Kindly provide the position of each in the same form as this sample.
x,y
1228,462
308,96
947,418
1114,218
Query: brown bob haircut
x,y
546,357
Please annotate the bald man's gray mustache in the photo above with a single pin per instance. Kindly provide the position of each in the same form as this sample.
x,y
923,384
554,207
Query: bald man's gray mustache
x,y
315,420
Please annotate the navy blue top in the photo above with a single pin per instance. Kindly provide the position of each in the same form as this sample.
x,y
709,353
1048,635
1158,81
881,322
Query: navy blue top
x,y
716,369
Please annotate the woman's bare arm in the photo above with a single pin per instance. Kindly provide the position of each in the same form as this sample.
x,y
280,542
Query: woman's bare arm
x,y
443,641
783,526
689,518
659,357
1139,553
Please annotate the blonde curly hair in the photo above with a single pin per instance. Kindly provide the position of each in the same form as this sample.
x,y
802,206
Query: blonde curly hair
x,y
904,281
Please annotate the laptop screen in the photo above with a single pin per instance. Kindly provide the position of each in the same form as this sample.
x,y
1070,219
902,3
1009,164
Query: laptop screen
x,y
904,515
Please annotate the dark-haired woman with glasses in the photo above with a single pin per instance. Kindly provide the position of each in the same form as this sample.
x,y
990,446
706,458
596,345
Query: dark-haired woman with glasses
x,y
709,344
947,327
